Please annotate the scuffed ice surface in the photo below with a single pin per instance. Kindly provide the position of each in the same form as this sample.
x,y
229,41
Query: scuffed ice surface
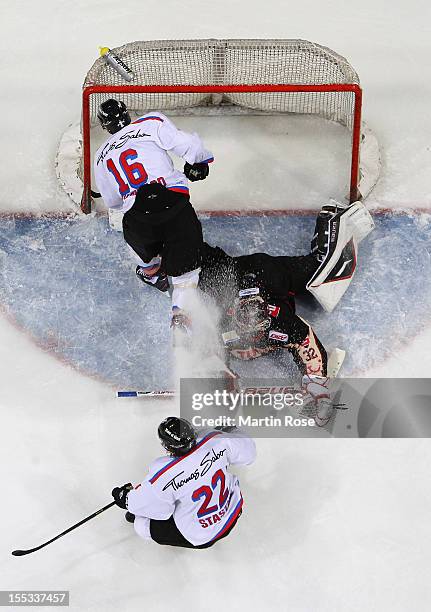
x,y
71,285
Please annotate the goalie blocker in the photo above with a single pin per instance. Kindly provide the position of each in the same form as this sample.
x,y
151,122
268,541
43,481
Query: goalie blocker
x,y
337,235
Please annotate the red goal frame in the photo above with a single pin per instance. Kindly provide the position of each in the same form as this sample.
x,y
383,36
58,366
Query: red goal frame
x,y
355,89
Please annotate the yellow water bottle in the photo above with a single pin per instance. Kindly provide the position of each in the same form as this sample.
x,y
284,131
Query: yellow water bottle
x,y
116,63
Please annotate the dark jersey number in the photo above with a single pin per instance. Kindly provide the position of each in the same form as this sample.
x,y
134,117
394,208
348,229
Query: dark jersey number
x,y
310,354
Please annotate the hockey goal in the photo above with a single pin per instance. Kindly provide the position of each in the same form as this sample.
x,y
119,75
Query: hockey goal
x,y
254,76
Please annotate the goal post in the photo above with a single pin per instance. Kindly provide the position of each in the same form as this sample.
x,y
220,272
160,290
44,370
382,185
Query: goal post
x,y
256,76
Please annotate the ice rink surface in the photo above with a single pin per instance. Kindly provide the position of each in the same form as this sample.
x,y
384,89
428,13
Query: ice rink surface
x,y
329,525
120,333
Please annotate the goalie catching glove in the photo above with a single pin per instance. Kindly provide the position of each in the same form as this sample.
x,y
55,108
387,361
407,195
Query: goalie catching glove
x,y
317,401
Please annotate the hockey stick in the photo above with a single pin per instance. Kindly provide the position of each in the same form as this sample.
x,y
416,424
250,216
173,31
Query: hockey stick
x,y
335,361
20,553
146,394
217,362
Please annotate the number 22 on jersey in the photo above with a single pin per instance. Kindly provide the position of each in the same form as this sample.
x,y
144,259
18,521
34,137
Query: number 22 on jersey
x,y
207,493
132,174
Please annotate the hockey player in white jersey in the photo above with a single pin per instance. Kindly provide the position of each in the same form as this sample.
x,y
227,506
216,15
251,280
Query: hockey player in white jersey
x,y
135,173
189,498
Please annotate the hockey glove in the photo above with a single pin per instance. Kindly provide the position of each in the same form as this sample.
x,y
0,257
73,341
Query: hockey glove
x,y
120,495
130,518
196,172
317,399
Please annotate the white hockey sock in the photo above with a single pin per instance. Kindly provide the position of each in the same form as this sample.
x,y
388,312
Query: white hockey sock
x,y
182,286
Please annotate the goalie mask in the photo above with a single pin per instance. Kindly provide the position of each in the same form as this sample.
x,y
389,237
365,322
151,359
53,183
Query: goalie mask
x,y
251,316
113,115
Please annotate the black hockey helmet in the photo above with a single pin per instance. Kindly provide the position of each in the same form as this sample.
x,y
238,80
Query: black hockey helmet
x,y
113,115
177,436
250,315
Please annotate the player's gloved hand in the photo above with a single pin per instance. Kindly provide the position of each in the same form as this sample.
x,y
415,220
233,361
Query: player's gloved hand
x,y
196,172
324,410
316,398
120,495
315,386
130,518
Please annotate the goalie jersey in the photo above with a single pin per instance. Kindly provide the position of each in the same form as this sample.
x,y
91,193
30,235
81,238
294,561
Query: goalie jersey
x,y
277,279
197,489
139,154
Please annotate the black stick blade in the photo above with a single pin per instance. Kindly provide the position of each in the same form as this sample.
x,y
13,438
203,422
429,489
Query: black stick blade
x,y
20,553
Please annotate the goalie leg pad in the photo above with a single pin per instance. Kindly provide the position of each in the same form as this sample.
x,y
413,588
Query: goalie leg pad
x,y
360,221
319,241
335,246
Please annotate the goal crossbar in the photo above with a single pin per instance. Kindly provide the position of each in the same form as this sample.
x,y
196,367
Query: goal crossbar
x,y
88,91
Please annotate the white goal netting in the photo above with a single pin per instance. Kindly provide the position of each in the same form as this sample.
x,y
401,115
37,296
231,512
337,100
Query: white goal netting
x,y
231,62
220,77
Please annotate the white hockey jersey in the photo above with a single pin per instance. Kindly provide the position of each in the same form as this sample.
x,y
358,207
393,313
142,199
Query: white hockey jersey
x,y
138,154
197,489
